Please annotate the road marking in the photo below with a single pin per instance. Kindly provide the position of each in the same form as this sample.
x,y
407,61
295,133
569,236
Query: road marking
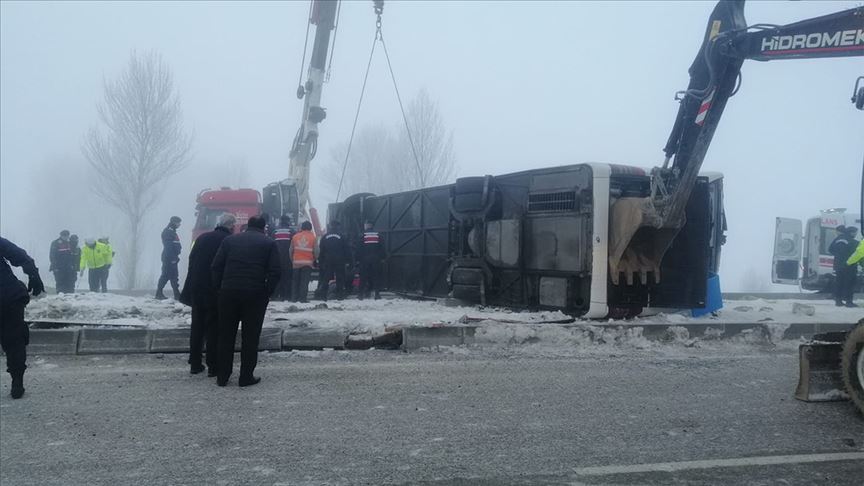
x,y
718,463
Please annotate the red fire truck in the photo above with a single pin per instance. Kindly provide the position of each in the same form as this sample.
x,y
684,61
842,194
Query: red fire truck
x,y
279,198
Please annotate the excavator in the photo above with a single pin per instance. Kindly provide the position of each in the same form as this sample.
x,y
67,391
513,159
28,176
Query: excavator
x,y
832,364
594,239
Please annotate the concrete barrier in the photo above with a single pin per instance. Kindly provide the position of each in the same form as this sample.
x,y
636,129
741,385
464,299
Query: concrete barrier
x,y
59,341
169,341
112,341
414,338
313,339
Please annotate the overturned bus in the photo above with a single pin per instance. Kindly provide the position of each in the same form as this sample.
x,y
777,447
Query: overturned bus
x,y
539,239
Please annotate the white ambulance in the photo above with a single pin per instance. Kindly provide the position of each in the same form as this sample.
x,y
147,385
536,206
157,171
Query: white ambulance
x,y
801,254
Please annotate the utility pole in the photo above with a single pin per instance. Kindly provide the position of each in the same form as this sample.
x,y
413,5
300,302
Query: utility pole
x,y
323,17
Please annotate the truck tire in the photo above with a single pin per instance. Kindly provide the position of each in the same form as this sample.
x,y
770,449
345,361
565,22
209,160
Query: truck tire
x,y
468,193
853,365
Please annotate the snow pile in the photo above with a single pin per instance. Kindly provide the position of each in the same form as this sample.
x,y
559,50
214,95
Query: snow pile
x,y
376,316
109,310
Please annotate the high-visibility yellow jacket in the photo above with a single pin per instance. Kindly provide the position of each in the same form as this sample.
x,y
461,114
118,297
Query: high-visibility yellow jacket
x,y
93,257
858,255
108,252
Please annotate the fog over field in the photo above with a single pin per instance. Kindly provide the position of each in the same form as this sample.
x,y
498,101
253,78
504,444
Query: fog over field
x,y
521,85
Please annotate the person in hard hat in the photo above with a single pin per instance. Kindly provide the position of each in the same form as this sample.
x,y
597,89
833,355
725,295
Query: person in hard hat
x,y
59,258
171,248
304,252
14,297
845,275
93,258
109,259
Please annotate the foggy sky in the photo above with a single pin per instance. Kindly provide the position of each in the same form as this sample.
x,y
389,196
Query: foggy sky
x,y
522,85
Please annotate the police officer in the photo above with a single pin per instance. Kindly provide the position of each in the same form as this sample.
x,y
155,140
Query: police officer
x,y
108,256
170,258
371,253
304,252
199,293
93,258
14,296
283,235
845,275
245,273
59,258
333,255
74,263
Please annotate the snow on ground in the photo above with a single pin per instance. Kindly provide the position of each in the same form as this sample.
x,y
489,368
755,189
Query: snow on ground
x,y
374,316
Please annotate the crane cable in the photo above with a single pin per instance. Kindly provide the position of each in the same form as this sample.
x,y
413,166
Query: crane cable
x,y
300,90
379,9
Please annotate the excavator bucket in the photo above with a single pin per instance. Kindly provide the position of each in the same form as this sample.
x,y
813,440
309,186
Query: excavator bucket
x,y
637,243
821,378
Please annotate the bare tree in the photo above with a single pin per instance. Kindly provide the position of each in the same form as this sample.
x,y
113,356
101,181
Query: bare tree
x,y
382,161
141,144
433,145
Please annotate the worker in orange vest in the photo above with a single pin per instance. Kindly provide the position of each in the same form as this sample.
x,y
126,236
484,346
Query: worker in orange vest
x,y
304,252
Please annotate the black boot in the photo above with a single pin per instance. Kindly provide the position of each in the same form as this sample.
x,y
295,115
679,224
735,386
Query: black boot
x,y
249,381
17,384
160,295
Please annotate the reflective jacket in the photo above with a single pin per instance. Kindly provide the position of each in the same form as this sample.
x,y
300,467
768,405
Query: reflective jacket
x,y
858,255
303,249
108,251
60,254
93,257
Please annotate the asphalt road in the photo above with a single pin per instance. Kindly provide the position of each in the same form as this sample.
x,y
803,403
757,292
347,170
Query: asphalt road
x,y
391,418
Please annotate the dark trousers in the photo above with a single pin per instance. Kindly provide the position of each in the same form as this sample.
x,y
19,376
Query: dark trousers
x,y
845,283
300,284
65,280
368,277
103,278
283,290
14,335
236,306
205,327
94,278
329,271
169,274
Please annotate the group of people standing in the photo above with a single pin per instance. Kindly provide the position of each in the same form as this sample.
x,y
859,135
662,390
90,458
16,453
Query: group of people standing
x,y
67,259
232,277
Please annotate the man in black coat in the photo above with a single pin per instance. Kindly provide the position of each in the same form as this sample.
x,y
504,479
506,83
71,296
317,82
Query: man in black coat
x,y
14,297
170,258
198,292
845,276
245,273
333,255
370,253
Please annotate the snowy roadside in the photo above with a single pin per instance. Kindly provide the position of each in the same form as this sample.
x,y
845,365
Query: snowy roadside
x,y
374,317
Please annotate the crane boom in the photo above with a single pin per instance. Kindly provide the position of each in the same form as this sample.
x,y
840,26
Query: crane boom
x,y
323,17
643,230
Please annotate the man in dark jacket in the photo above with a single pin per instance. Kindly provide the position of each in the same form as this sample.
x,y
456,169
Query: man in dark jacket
x,y
60,258
170,258
333,255
283,235
844,275
199,293
245,273
14,296
370,253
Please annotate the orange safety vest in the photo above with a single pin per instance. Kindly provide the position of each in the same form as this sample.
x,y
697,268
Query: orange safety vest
x,y
303,246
